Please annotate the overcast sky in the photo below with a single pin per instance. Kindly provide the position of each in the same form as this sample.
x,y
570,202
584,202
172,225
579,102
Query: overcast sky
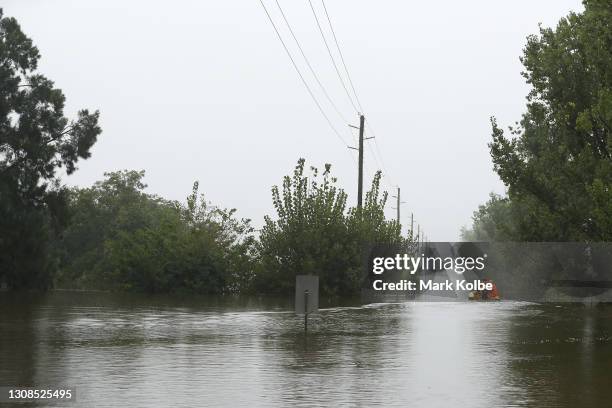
x,y
203,90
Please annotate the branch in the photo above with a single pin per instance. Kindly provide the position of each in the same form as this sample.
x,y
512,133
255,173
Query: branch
x,y
66,130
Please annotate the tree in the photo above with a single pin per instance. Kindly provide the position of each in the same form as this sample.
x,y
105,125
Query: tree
x,y
35,141
122,238
309,235
315,234
369,222
492,221
97,215
557,164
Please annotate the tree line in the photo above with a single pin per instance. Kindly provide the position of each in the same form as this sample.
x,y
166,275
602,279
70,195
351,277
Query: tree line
x,y
556,162
115,236
121,238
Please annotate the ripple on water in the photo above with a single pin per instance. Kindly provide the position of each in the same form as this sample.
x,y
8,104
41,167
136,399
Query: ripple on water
x,y
428,354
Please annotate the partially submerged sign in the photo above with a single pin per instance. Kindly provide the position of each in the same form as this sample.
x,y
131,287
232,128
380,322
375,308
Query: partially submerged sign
x,y
306,294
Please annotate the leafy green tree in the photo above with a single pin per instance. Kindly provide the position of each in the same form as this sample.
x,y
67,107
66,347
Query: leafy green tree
x,y
121,238
309,235
98,214
492,221
557,164
369,222
315,234
35,141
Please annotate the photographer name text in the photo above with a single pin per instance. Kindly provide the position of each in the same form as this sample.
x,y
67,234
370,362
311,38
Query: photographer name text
x,y
424,285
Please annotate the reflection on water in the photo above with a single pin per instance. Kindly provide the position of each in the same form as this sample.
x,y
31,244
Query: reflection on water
x,y
128,351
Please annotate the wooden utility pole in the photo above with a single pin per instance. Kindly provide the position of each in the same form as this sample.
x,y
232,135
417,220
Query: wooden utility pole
x,y
360,177
399,203
360,165
411,226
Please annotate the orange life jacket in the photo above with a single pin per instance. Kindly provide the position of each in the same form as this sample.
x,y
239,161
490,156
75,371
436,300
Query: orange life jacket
x,y
493,294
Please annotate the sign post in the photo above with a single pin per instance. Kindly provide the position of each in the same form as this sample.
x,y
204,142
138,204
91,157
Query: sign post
x,y
306,296
306,311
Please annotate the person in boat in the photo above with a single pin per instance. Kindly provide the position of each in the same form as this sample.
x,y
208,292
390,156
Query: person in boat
x,y
492,294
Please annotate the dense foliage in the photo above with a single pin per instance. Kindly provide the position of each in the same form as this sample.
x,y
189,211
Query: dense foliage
x,y
35,141
491,222
315,234
557,164
121,238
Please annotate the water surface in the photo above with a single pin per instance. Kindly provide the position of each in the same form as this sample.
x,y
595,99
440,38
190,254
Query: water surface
x,y
136,351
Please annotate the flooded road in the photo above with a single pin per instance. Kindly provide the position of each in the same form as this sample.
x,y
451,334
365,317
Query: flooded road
x,y
133,351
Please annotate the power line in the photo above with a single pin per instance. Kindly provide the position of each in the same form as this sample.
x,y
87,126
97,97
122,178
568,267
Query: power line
x,y
387,174
379,165
311,93
314,74
301,76
387,179
314,13
380,162
341,56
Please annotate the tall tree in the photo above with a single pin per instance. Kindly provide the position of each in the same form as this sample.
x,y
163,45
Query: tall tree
x,y
557,164
314,233
36,139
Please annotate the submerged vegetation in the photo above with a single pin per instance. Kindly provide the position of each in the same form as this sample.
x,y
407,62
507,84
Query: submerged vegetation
x,y
314,233
121,238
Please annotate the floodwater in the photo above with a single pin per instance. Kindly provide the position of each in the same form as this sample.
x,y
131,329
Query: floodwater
x,y
137,351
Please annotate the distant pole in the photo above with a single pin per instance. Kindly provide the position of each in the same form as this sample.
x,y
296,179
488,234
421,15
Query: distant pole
x,y
411,226
398,205
360,177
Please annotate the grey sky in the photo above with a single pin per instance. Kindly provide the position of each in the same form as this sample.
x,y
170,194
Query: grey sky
x,y
203,90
